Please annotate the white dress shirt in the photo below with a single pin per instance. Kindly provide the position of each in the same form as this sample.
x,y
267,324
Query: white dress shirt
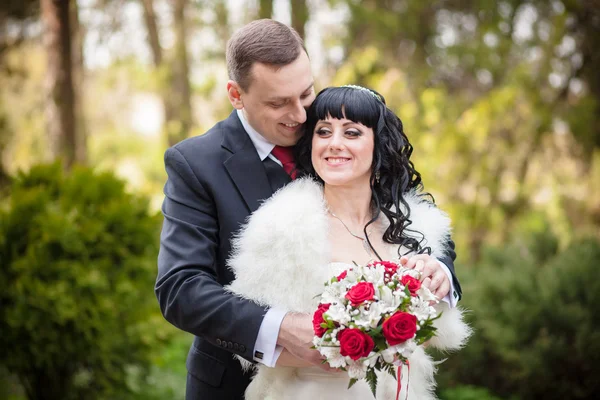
x,y
266,350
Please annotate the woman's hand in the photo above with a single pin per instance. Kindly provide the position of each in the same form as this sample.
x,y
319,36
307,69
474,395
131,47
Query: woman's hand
x,y
433,275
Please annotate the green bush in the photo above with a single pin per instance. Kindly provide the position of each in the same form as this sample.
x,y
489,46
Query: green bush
x,y
78,317
467,393
537,322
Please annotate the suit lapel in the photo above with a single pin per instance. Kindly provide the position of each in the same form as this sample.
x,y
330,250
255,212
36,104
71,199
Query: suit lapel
x,y
244,166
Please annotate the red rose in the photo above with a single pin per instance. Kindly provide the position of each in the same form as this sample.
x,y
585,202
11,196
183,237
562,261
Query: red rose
x,y
413,284
399,328
318,319
354,343
342,275
360,293
390,267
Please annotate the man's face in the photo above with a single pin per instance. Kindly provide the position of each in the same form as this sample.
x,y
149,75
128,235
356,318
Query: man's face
x,y
276,101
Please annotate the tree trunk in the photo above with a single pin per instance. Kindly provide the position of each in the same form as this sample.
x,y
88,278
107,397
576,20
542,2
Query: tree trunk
x,y
78,82
265,9
299,16
161,68
180,129
60,110
152,28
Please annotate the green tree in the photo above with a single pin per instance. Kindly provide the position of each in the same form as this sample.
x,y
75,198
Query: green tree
x,y
536,320
498,101
78,316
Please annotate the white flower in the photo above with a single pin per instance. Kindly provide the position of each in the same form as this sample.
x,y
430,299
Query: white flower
x,y
357,370
386,296
352,276
406,349
389,354
339,313
426,294
369,317
333,356
421,309
370,360
375,274
408,271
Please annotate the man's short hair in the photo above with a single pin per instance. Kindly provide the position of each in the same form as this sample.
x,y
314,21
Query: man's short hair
x,y
262,41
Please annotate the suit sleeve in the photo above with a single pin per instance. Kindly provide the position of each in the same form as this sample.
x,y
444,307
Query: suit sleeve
x,y
187,289
448,260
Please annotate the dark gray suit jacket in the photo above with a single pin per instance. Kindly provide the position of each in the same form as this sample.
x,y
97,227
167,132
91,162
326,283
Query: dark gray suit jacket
x,y
214,182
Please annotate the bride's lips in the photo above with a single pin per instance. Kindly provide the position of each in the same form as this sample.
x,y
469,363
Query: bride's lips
x,y
336,161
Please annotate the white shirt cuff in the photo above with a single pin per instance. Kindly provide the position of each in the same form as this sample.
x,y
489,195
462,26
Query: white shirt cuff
x,y
266,350
452,297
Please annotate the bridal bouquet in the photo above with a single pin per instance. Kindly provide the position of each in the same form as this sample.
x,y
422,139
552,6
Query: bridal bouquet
x,y
371,318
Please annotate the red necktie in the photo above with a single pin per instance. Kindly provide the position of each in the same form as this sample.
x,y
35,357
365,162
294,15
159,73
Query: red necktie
x,y
286,156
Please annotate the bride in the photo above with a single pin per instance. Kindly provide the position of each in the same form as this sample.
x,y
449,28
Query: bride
x,y
358,198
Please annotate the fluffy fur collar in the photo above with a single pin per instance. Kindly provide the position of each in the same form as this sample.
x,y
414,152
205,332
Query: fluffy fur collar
x,y
279,259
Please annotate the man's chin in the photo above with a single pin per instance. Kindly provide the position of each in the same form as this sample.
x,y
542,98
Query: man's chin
x,y
286,139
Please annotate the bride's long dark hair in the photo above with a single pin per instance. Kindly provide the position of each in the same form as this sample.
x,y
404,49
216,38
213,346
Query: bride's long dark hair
x,y
391,158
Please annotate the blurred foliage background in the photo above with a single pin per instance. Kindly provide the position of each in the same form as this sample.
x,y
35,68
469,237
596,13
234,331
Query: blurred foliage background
x,y
501,100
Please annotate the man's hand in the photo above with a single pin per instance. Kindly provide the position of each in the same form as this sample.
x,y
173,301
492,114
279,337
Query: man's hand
x,y
296,335
287,359
433,275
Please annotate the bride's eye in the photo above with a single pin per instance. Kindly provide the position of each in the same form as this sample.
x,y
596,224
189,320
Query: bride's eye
x,y
353,133
322,132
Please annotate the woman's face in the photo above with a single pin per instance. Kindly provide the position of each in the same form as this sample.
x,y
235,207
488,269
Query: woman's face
x,y
342,152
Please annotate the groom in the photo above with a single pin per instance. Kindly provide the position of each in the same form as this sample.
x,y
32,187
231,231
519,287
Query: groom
x,y
215,181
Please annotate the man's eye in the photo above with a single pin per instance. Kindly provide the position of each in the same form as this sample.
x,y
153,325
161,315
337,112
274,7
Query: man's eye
x,y
276,105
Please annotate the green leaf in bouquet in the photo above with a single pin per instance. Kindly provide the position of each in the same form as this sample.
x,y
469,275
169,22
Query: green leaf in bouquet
x,y
375,332
389,368
380,342
371,379
352,382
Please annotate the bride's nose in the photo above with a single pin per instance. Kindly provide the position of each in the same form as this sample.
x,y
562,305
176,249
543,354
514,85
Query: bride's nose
x,y
336,142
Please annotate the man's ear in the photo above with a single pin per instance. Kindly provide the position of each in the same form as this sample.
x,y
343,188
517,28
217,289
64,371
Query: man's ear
x,y
234,94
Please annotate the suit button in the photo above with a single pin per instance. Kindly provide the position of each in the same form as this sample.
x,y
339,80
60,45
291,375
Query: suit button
x,y
242,348
224,344
236,346
230,345
218,342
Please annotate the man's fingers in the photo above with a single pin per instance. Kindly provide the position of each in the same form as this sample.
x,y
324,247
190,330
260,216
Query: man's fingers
x,y
426,282
443,290
412,261
420,266
436,281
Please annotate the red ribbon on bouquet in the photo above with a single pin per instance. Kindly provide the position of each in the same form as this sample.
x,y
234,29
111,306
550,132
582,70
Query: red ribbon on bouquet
x,y
400,380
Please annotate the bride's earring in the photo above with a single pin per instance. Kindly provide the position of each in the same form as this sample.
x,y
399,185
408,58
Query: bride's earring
x,y
377,177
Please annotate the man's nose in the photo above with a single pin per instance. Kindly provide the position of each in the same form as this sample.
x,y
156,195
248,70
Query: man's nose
x,y
298,113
